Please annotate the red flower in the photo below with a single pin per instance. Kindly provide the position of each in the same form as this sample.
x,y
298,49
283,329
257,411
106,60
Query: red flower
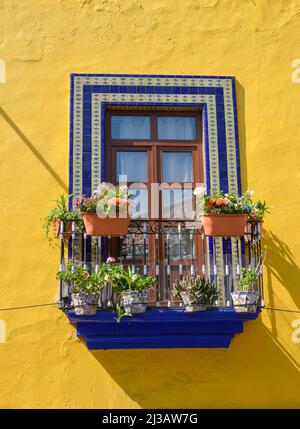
x,y
210,203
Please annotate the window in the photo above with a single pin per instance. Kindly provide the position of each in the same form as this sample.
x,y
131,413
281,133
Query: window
x,y
159,155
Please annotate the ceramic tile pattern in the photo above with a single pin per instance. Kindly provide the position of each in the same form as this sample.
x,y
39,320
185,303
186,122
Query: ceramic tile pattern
x,y
91,94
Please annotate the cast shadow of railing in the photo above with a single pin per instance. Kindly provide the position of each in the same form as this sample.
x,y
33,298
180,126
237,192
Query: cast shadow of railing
x,y
281,265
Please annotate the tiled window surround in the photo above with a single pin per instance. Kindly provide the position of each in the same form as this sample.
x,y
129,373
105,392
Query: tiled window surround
x,y
91,95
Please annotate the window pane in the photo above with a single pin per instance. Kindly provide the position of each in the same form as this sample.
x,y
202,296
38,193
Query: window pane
x,y
133,165
139,206
130,127
177,203
177,167
176,127
186,245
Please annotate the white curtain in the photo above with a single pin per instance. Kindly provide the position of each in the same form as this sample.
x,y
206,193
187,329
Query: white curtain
x,y
130,127
177,167
133,165
176,128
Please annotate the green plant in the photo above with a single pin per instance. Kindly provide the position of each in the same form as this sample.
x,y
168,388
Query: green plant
x,y
110,269
83,281
121,313
225,203
61,212
199,290
248,279
259,210
106,199
126,280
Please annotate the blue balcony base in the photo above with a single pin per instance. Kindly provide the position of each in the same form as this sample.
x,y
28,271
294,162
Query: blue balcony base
x,y
161,328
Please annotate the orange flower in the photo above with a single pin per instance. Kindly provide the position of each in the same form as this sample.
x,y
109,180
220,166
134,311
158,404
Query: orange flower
x,y
117,202
220,202
88,201
210,203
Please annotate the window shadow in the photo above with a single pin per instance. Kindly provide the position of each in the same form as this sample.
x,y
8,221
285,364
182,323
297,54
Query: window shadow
x,y
253,372
240,99
33,149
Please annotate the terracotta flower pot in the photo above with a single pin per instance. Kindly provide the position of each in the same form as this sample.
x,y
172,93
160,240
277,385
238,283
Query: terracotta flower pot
x,y
107,227
224,225
56,228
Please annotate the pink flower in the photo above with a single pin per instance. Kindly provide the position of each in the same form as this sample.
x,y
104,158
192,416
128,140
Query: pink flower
x,y
110,260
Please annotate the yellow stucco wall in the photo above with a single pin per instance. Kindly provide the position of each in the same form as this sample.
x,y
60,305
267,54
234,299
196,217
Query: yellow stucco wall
x,y
42,362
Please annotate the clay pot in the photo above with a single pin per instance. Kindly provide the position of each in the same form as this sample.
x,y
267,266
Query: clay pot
x,y
224,225
56,229
106,227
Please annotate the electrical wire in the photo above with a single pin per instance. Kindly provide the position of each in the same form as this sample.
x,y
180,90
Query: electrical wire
x,y
56,303
28,306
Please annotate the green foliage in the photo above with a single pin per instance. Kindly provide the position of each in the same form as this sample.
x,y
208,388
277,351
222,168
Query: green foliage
x,y
83,281
61,212
125,280
248,279
225,203
259,210
121,313
110,270
198,289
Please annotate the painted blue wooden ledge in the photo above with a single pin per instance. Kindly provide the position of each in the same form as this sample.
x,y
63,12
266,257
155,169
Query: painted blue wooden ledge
x,y
161,328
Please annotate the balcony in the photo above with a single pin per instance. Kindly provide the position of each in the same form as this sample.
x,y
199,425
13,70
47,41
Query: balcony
x,y
169,250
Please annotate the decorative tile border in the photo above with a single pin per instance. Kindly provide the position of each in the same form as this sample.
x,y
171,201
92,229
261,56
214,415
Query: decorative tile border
x,y
91,94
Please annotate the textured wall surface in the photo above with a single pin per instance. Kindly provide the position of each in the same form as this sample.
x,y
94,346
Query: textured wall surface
x,y
42,363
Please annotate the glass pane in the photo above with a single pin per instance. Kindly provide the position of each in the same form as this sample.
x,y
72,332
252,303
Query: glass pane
x,y
132,166
176,127
130,127
186,245
139,207
177,203
177,167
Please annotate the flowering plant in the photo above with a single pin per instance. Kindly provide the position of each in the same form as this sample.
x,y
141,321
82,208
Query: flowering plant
x,y
225,203
104,200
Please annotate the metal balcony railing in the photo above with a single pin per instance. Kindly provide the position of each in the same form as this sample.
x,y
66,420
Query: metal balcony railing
x,y
169,250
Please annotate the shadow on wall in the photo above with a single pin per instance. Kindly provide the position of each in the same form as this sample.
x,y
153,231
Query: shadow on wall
x,y
280,263
33,149
257,371
254,372
240,98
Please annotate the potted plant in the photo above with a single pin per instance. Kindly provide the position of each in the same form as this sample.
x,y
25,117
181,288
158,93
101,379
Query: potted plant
x,y
245,300
86,288
58,214
133,289
225,215
196,293
105,212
